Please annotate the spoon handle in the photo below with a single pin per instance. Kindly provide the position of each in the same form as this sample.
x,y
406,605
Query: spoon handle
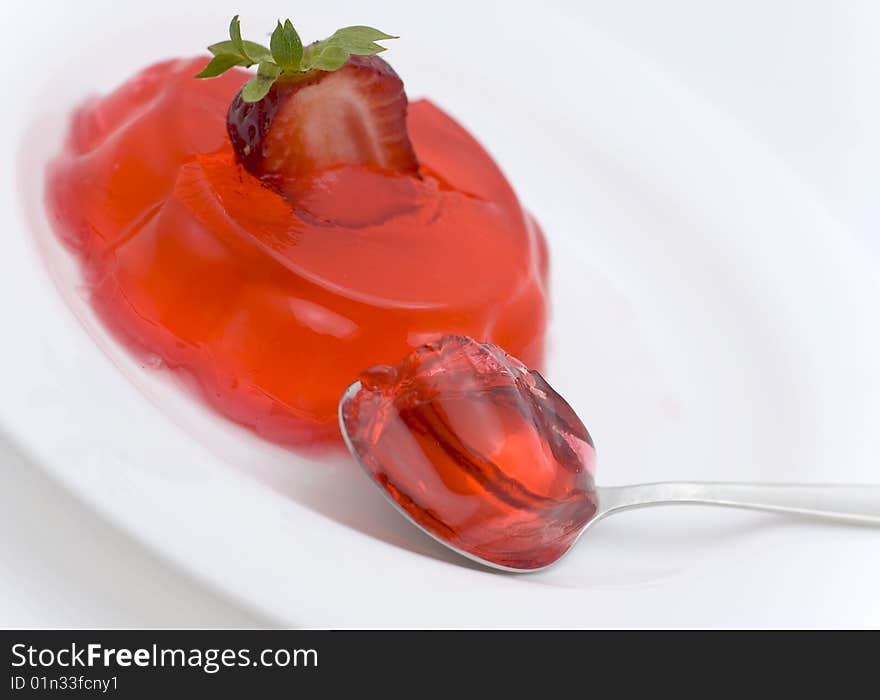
x,y
853,504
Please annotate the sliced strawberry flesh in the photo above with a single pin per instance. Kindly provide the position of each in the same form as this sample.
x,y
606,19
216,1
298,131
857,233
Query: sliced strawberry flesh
x,y
353,116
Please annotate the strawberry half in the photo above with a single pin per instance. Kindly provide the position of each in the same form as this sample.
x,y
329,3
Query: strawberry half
x,y
319,119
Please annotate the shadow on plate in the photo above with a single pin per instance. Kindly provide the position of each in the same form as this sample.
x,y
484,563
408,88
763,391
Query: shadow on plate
x,y
336,488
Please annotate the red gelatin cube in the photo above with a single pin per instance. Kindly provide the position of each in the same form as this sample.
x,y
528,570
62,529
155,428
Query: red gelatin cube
x,y
478,450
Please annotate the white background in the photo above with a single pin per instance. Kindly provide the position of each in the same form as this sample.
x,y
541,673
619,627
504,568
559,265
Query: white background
x,y
801,76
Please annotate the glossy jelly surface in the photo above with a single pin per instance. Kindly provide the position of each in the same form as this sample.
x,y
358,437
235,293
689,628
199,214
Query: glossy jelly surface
x,y
476,449
274,304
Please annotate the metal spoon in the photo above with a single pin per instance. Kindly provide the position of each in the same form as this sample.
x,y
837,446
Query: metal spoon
x,y
842,503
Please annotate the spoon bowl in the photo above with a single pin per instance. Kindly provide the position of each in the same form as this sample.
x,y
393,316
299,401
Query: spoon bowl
x,y
476,449
499,561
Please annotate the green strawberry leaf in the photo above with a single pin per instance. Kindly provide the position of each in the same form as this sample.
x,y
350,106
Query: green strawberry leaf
x,y
286,55
329,58
287,48
235,36
221,63
359,40
255,51
257,87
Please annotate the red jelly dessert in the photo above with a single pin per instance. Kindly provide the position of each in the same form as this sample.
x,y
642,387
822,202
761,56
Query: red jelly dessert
x,y
477,450
336,231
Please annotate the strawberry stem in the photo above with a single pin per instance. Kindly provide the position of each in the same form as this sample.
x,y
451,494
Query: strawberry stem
x,y
286,55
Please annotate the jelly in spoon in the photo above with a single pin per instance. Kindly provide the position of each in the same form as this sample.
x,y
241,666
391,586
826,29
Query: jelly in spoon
x,y
477,450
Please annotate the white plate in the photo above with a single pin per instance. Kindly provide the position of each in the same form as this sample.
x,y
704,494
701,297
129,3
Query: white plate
x,y
710,322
